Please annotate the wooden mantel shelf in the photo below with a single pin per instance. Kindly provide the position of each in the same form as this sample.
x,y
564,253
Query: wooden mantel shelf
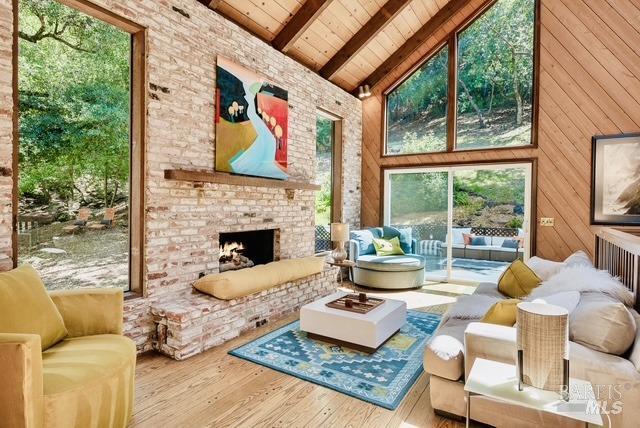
x,y
238,180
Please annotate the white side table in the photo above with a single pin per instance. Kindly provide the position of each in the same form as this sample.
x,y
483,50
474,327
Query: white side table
x,y
499,381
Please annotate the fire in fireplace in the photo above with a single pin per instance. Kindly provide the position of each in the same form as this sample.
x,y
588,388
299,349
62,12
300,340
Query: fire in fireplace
x,y
239,250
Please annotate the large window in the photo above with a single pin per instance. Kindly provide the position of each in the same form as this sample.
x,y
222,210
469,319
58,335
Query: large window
x,y
80,151
495,77
491,88
470,221
417,109
328,176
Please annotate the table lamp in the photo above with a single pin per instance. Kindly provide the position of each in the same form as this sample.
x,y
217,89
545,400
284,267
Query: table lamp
x,y
543,347
339,235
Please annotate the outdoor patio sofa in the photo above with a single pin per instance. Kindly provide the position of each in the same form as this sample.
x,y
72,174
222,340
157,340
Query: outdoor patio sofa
x,y
386,272
496,244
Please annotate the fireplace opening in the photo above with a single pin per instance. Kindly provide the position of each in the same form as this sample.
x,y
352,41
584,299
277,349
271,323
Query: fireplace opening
x,y
239,250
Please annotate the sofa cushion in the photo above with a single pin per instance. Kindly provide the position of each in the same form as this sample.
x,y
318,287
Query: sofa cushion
x,y
408,262
565,299
444,355
25,307
602,323
479,241
544,268
457,233
364,239
489,289
88,381
239,283
579,258
510,243
404,235
502,313
518,280
388,247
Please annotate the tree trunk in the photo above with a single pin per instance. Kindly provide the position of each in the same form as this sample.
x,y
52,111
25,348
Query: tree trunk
x,y
518,97
106,186
493,89
115,192
473,103
516,87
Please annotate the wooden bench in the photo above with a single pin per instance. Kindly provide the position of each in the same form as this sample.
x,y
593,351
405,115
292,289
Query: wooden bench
x,y
191,322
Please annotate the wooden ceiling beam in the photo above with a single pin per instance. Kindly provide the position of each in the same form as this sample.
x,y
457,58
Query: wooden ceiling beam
x,y
297,25
211,4
415,41
359,40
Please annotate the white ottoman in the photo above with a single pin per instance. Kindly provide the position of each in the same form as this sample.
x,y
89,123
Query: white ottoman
x,y
363,332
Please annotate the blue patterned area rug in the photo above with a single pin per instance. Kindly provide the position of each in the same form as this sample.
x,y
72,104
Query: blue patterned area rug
x,y
382,378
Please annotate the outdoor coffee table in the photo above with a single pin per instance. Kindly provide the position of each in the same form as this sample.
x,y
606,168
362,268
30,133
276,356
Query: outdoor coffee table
x,y
362,332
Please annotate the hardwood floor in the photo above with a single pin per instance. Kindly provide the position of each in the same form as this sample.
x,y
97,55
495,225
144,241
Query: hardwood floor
x,y
214,389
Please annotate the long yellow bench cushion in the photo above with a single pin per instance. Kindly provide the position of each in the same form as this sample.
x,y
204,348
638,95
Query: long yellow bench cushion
x,y
89,381
239,283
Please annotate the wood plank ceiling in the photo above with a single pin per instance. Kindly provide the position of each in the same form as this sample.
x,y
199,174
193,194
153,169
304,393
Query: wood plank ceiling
x,y
350,42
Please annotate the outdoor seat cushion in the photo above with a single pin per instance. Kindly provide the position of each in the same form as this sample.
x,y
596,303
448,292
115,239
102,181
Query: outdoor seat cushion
x,y
505,249
445,245
408,262
89,381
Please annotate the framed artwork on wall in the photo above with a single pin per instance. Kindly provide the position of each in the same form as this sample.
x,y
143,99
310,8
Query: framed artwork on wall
x,y
615,179
251,123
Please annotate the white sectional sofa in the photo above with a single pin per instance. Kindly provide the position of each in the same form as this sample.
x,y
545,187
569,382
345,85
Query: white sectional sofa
x,y
461,338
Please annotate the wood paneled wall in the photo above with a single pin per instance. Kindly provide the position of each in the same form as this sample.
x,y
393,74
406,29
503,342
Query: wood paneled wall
x,y
589,84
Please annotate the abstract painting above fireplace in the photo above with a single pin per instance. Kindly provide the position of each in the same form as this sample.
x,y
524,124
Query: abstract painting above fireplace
x,y
251,123
239,250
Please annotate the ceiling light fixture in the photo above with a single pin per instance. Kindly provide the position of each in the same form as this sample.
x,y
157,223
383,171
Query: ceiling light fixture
x,y
364,91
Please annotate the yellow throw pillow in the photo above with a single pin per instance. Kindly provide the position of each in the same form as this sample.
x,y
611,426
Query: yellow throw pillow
x,y
518,280
502,312
388,247
25,307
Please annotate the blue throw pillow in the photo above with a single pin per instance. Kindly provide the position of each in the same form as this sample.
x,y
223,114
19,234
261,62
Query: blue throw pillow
x,y
364,238
403,234
510,243
479,240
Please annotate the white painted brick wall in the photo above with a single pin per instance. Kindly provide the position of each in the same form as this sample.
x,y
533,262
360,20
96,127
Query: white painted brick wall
x,y
182,222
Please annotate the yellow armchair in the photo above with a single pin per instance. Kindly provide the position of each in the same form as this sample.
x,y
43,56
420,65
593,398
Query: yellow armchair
x,y
86,380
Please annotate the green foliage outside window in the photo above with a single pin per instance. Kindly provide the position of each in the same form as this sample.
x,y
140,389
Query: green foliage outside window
x,y
324,153
74,106
495,86
417,109
495,77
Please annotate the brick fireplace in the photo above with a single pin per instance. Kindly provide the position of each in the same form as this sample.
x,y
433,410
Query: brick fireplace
x,y
184,220
240,250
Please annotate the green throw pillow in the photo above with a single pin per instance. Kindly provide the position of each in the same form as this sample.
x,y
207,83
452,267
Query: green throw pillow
x,y
388,247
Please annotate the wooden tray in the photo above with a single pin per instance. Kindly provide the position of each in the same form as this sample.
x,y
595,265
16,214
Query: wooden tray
x,y
358,306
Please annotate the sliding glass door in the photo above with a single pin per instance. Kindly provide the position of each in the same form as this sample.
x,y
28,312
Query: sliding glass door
x,y
470,222
419,200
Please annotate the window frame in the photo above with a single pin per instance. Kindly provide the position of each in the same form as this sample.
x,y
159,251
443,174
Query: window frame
x,y
137,136
451,41
335,215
